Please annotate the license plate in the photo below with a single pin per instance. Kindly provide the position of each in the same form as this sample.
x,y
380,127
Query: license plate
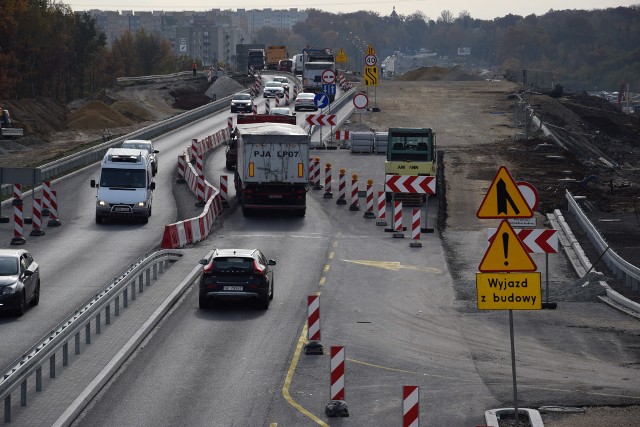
x,y
233,288
275,196
121,209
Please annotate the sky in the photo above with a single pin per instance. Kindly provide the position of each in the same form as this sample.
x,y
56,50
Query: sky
x,y
486,10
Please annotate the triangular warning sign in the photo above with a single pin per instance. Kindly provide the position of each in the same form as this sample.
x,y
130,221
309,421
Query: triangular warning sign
x,y
370,50
506,253
341,56
504,199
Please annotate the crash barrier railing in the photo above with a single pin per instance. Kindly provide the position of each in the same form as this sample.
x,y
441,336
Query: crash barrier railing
x,y
121,289
621,268
157,78
96,154
193,230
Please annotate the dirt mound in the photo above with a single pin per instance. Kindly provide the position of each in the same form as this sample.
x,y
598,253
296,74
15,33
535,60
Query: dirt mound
x,y
39,117
455,73
97,115
132,111
223,86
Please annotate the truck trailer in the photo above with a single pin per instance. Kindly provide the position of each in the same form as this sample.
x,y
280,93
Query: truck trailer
x,y
274,54
272,169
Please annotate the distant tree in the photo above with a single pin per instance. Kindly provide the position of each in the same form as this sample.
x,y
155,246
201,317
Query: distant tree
x,y
123,51
153,52
446,17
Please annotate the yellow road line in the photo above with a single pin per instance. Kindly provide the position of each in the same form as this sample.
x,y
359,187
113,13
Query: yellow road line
x,y
289,378
327,267
322,279
331,254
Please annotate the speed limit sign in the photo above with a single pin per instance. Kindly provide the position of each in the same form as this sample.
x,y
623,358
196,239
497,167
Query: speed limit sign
x,y
371,60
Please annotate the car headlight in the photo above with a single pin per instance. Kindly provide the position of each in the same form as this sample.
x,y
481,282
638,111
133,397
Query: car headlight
x,y
141,204
102,203
9,289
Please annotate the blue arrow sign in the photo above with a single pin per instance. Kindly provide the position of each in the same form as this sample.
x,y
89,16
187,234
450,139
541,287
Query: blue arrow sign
x,y
329,89
321,100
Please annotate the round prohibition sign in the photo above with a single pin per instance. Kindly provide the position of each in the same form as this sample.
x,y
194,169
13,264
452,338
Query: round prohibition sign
x,y
328,77
360,100
371,60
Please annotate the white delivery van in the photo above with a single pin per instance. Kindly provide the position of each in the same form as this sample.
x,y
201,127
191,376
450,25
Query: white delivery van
x,y
125,188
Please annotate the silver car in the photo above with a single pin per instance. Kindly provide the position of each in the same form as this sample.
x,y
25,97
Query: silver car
x,y
305,101
283,80
19,280
273,89
146,146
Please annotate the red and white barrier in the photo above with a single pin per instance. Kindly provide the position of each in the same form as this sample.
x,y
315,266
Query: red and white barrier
x,y
277,101
316,174
337,372
46,195
230,122
313,345
53,210
369,212
342,135
382,209
200,191
17,191
193,150
223,191
267,106
327,181
199,164
410,408
295,91
182,166
18,224
36,221
255,109
415,229
286,97
397,219
342,188
355,201
312,169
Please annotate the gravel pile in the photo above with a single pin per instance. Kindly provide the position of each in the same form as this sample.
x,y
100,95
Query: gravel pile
x,y
223,86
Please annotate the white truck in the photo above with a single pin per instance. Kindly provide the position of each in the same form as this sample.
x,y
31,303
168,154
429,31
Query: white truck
x,y
125,188
272,171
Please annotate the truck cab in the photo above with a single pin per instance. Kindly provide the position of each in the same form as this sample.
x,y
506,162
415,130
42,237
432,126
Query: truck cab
x,y
125,188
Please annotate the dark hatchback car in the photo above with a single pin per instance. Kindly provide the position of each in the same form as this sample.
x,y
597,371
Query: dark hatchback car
x,y
19,280
237,274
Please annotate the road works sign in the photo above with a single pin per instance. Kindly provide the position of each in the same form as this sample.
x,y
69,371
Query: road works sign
x,y
536,241
371,76
504,199
509,291
370,50
341,57
506,253
321,119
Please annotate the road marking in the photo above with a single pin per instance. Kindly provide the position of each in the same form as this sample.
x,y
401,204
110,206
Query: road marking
x,y
289,378
326,267
322,279
331,255
394,266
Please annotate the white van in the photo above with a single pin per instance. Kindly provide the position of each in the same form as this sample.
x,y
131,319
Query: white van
x,y
125,189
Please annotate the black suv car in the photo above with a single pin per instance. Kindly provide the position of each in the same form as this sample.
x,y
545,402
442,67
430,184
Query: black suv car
x,y
237,274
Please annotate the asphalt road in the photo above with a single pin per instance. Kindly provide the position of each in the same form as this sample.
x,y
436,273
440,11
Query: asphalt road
x,y
406,316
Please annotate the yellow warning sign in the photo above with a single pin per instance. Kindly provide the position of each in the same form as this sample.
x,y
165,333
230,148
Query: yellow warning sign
x,y
370,50
509,291
370,76
341,56
504,199
506,253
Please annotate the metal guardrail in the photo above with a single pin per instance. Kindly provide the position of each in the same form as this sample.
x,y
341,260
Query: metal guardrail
x,y
621,268
123,287
95,154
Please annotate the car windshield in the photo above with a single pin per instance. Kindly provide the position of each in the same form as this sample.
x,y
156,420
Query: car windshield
x,y
232,264
8,266
306,96
242,97
126,178
273,84
280,79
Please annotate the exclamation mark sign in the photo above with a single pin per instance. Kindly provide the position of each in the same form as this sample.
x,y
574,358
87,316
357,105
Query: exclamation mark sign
x,y
505,247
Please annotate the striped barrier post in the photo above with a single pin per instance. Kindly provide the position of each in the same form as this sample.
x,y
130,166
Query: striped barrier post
x,y
193,151
18,223
223,191
342,184
410,408
182,166
255,109
277,101
46,195
295,91
267,107
369,212
327,181
17,193
36,221
230,122
397,220
382,209
53,211
415,229
199,164
316,174
200,191
355,202
311,170
313,345
286,97
337,407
